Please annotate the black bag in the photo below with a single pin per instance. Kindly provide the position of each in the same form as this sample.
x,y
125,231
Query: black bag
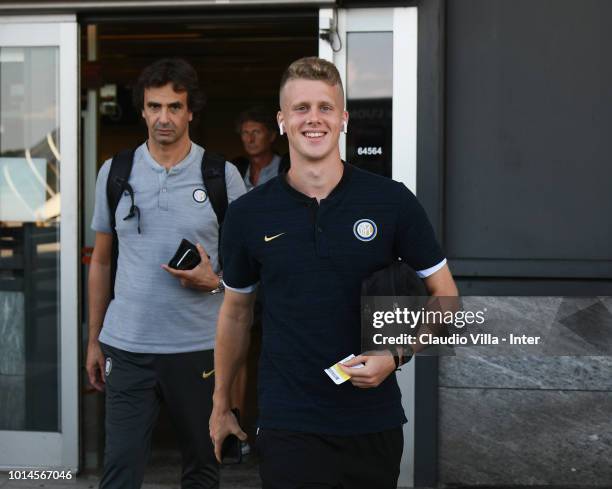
x,y
398,279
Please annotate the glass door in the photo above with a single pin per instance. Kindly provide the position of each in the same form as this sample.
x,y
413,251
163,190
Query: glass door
x,y
38,243
375,50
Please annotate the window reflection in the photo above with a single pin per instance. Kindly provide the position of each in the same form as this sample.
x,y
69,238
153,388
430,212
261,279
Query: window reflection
x,y
369,100
29,238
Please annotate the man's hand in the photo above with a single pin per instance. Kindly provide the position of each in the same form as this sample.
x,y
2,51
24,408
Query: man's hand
x,y
95,365
223,423
201,277
377,368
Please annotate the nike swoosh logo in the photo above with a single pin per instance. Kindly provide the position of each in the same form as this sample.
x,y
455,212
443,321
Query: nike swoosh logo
x,y
270,238
206,374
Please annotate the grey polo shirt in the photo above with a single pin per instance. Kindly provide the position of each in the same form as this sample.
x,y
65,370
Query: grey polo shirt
x,y
268,172
151,312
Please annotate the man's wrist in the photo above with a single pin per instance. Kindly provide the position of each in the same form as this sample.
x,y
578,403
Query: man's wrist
x,y
406,356
221,402
93,341
220,286
401,356
397,360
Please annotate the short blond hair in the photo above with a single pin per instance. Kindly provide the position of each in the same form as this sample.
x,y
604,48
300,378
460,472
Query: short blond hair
x,y
312,68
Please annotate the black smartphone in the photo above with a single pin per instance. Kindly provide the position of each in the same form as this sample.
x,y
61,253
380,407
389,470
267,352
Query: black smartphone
x,y
186,256
231,451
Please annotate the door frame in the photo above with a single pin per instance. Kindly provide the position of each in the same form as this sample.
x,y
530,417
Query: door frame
x,y
26,449
402,22
424,176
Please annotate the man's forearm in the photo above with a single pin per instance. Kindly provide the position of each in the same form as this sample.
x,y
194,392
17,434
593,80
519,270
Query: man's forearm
x,y
99,297
444,297
232,343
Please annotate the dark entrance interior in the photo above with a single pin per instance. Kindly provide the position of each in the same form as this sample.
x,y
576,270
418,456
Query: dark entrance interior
x,y
239,57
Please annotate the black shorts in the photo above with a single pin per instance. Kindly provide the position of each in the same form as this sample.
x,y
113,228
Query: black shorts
x,y
295,460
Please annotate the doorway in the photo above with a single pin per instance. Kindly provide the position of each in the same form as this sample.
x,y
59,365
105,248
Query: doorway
x,y
239,54
239,59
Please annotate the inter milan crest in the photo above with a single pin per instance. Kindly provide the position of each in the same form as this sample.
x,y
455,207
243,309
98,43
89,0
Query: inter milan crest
x,y
199,195
108,366
365,229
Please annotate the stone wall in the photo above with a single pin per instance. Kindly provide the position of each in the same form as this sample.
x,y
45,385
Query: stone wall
x,y
525,421
12,361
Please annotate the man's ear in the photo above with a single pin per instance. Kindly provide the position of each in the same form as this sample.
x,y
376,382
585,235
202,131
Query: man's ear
x,y
190,116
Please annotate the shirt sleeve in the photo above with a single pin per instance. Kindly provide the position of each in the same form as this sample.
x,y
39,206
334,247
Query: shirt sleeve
x,y
415,241
233,182
240,269
101,218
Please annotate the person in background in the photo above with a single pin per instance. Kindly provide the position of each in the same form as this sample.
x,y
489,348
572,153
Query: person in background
x,y
257,129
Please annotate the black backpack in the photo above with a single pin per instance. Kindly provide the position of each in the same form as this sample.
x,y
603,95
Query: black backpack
x,y
213,176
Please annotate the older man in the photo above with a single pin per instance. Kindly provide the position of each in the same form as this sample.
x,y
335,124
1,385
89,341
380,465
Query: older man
x,y
257,129
151,335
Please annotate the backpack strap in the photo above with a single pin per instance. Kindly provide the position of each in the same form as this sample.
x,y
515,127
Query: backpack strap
x,y
119,174
213,175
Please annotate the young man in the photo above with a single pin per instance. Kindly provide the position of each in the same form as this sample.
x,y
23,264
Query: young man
x,y
311,237
257,130
154,340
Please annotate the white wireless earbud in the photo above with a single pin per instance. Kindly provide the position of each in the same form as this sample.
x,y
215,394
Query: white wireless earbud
x,y
281,128
344,127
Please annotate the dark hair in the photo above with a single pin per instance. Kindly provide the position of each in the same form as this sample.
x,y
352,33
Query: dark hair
x,y
260,114
312,68
170,70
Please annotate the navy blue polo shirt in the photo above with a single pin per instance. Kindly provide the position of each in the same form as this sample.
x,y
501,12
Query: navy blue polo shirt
x,y
310,259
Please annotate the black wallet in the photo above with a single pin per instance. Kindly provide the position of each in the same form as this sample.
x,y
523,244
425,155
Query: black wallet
x,y
231,450
186,257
